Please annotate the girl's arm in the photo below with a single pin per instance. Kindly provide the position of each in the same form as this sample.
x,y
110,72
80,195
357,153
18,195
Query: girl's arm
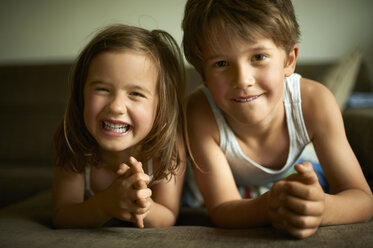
x,y
166,196
213,174
326,129
71,211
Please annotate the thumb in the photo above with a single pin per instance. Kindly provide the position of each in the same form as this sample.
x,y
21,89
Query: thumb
x,y
306,173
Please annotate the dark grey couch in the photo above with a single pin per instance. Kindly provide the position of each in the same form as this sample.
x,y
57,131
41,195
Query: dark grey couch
x,y
31,105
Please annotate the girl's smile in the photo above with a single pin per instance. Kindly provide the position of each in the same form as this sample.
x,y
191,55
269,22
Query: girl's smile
x,y
115,128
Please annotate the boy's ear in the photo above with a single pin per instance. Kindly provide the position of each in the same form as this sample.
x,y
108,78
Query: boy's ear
x,y
291,60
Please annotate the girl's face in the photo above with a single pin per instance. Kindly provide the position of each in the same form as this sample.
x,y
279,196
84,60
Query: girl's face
x,y
246,79
120,99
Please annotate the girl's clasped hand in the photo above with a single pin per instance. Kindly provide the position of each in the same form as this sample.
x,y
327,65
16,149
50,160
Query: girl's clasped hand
x,y
128,197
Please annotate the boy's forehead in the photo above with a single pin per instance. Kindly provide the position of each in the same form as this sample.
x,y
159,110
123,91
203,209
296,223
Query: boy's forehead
x,y
221,43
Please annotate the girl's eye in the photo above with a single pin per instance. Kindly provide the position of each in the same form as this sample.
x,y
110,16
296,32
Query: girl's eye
x,y
259,57
137,94
102,89
221,63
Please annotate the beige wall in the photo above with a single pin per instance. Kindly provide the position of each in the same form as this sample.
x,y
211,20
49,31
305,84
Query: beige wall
x,y
39,31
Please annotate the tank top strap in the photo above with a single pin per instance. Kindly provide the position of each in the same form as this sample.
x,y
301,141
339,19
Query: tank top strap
x,y
149,165
87,176
293,108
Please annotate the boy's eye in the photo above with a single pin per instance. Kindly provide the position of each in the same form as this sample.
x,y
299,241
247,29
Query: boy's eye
x,y
259,57
221,63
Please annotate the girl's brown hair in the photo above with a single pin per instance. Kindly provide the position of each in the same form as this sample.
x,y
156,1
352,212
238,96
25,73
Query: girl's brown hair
x,y
75,147
246,19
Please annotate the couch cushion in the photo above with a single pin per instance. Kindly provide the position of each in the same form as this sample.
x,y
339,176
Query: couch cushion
x,y
31,106
28,224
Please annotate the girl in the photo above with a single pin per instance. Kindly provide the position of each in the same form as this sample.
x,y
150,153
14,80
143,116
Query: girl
x,y
253,118
120,151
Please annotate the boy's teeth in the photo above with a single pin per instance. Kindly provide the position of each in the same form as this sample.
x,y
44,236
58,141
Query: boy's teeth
x,y
245,99
118,128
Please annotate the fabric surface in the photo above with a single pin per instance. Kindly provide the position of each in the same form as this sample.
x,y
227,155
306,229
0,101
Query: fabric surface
x,y
28,224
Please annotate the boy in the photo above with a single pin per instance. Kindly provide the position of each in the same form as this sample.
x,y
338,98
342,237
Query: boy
x,y
253,118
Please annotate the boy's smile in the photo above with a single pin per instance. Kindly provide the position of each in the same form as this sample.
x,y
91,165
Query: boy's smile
x,y
245,99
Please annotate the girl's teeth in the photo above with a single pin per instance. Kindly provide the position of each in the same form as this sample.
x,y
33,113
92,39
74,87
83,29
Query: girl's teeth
x,y
118,128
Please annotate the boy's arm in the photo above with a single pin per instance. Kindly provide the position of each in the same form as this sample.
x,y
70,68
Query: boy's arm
x,y
326,130
166,196
213,174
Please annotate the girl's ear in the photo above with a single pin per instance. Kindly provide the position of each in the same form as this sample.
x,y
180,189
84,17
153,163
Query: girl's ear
x,y
291,60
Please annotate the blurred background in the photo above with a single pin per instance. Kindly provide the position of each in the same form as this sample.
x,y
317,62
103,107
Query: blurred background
x,y
54,31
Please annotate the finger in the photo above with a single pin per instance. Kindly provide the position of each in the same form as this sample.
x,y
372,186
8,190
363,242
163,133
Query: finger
x,y
305,191
135,179
299,221
302,206
140,185
142,203
139,221
142,194
299,233
136,166
122,169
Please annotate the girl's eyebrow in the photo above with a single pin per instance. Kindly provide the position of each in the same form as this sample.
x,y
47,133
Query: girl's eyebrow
x,y
97,81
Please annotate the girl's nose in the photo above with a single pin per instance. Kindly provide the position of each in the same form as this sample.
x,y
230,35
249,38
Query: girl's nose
x,y
118,105
243,77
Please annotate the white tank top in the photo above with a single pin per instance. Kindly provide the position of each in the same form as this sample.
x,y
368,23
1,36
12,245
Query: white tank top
x,y
247,172
87,175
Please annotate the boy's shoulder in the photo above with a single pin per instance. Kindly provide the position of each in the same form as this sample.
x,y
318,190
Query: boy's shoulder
x,y
200,115
198,105
318,104
314,93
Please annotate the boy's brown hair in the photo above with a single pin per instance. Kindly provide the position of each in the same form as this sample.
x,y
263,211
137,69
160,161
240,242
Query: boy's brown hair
x,y
75,146
203,19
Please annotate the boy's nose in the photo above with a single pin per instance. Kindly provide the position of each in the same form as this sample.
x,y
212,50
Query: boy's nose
x,y
244,77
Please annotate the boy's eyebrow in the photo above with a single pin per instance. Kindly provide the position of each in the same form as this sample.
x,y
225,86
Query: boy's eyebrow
x,y
251,49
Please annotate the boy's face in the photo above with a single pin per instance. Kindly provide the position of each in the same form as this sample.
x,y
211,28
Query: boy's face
x,y
246,79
